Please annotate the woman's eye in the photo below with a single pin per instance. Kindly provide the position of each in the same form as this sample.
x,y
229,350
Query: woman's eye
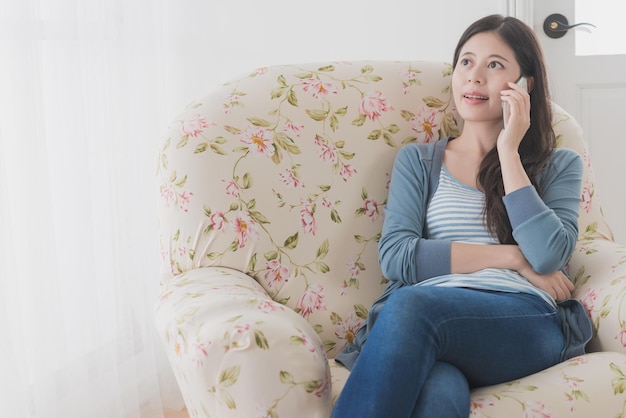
x,y
465,62
495,64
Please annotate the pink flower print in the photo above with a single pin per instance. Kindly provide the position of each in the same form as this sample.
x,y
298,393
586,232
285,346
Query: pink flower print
x,y
353,267
174,268
410,77
290,179
318,88
327,153
307,219
324,387
276,274
327,203
171,196
572,385
586,198
346,172
195,125
570,399
184,199
232,189
371,209
586,158
621,336
268,306
201,351
217,221
164,297
411,74
259,139
578,361
262,70
346,329
426,124
168,194
231,101
264,409
536,409
312,300
478,405
373,105
304,340
245,228
293,128
241,329
344,288
589,300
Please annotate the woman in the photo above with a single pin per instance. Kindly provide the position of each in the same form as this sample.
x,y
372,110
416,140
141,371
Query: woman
x,y
477,232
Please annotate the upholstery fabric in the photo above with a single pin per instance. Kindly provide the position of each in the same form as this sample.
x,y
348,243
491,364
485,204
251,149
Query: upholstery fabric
x,y
272,189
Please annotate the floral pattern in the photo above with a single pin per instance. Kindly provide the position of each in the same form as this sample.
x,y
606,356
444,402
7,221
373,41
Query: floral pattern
x,y
272,194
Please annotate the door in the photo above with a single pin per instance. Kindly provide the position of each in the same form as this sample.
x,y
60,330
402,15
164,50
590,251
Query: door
x,y
593,90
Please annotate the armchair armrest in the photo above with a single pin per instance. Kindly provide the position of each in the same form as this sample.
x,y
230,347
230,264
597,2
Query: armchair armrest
x,y
598,268
237,353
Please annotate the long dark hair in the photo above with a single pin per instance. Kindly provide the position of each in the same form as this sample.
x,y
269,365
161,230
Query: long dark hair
x,y
539,141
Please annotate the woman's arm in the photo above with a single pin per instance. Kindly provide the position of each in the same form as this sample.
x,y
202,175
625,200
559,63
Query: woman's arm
x,y
546,227
546,231
404,253
468,258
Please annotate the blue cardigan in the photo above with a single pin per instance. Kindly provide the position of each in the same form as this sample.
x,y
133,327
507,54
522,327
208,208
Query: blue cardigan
x,y
545,228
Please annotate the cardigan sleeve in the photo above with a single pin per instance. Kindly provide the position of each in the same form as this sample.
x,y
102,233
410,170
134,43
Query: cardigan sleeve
x,y
404,253
546,227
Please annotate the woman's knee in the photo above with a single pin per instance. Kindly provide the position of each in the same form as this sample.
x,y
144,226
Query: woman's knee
x,y
416,303
413,300
404,309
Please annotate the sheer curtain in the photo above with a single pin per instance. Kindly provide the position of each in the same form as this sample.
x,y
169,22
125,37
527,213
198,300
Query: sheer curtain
x,y
87,88
81,115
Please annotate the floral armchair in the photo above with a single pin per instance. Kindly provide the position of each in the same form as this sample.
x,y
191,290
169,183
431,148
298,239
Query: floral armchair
x,y
272,194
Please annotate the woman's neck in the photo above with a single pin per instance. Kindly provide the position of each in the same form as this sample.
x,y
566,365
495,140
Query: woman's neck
x,y
478,139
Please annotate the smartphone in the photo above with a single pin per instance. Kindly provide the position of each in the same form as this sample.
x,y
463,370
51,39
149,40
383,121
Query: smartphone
x,y
505,107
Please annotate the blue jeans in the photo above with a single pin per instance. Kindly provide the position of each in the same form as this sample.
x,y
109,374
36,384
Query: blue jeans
x,y
431,345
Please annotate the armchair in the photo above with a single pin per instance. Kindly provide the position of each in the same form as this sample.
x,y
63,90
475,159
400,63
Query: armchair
x,y
272,194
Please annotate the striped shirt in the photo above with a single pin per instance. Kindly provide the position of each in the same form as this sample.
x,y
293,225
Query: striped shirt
x,y
455,213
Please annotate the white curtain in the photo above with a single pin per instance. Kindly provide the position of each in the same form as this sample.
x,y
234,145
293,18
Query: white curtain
x,y
81,117
87,88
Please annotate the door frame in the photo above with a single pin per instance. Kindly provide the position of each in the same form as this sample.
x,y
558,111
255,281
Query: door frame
x,y
521,9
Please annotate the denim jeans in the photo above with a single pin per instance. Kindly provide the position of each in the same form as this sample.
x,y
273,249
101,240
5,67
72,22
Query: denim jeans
x,y
431,345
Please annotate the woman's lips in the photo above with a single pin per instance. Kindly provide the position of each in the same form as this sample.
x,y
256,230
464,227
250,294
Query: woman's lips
x,y
474,97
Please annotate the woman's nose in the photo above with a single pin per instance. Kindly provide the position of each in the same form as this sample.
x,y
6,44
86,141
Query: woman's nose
x,y
474,79
475,76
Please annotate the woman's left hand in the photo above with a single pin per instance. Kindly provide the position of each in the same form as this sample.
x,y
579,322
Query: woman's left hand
x,y
518,102
557,284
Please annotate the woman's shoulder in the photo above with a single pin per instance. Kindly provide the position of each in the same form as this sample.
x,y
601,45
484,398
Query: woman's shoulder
x,y
566,153
423,151
563,160
564,157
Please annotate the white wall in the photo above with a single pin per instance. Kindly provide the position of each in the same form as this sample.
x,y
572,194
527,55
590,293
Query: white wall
x,y
217,40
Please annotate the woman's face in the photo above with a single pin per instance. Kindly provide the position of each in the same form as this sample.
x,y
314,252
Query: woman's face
x,y
486,64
